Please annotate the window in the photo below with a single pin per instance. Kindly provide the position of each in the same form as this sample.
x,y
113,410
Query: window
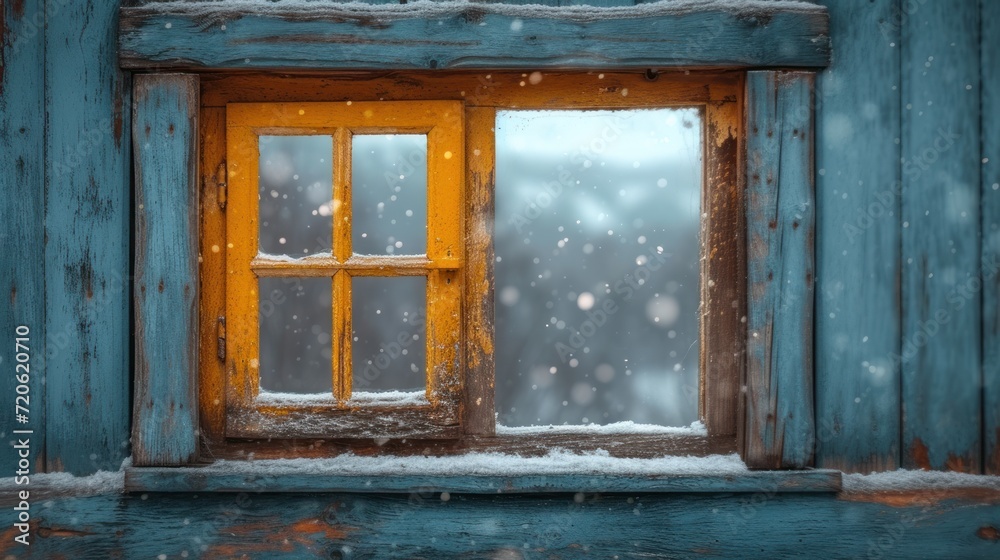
x,y
751,79
310,253
300,160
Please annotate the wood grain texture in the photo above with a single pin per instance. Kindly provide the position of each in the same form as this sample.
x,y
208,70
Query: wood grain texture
x,y
779,429
487,35
22,219
212,288
724,267
990,230
858,192
558,526
556,89
192,479
165,145
88,230
479,387
941,281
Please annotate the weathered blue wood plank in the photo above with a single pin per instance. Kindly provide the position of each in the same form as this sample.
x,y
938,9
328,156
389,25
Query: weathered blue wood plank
x,y
940,353
22,217
779,430
568,526
294,480
990,65
88,230
165,144
857,241
477,35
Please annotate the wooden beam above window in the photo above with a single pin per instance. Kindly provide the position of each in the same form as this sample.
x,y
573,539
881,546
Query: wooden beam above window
x,y
258,34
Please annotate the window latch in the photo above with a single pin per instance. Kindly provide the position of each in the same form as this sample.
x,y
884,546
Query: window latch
x,y
221,185
220,332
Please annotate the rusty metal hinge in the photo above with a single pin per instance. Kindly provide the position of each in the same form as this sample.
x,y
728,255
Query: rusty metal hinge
x,y
220,332
221,185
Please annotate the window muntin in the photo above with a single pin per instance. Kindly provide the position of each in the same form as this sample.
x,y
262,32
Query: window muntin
x,y
253,413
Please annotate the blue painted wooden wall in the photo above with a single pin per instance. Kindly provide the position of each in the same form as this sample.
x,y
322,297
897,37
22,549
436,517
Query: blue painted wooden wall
x,y
907,316
907,322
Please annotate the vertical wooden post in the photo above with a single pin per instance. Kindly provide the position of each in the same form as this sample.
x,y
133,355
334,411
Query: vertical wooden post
x,y
779,430
165,141
941,352
87,234
858,193
22,222
990,154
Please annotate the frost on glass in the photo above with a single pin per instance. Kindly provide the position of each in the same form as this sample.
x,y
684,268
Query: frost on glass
x,y
295,193
389,194
295,335
389,349
597,266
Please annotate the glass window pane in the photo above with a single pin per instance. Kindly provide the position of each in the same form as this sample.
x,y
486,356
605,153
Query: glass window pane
x,y
597,272
389,194
295,329
389,346
296,191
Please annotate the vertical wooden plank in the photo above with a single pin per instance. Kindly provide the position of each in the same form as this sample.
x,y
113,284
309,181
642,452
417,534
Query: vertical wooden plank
x,y
780,220
723,292
990,127
857,243
22,215
165,144
212,288
479,388
87,226
941,283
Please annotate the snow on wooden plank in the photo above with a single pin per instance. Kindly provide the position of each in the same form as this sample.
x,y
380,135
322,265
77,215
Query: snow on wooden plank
x,y
941,357
779,430
432,35
482,473
858,192
165,143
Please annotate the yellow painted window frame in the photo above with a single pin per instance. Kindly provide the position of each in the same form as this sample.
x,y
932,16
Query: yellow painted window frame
x,y
442,123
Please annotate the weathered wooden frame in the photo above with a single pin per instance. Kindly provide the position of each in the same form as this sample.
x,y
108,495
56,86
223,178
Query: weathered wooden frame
x,y
772,404
719,95
247,416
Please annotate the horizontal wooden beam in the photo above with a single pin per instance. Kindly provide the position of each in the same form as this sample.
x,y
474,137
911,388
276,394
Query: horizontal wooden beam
x,y
250,479
939,524
249,34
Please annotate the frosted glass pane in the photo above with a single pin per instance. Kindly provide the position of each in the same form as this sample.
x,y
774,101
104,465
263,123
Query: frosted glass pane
x,y
296,191
389,194
597,272
295,329
389,344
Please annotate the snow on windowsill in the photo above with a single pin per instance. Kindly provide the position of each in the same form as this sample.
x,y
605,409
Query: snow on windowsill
x,y
386,398
617,428
555,462
439,9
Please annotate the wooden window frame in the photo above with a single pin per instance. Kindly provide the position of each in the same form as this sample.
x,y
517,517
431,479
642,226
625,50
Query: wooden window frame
x,y
249,417
717,95
173,338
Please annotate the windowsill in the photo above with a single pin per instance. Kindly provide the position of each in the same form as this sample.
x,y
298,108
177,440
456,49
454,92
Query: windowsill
x,y
483,473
